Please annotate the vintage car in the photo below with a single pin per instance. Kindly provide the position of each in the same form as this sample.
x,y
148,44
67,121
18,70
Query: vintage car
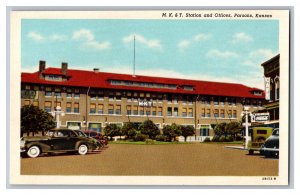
x,y
258,137
98,136
57,140
271,147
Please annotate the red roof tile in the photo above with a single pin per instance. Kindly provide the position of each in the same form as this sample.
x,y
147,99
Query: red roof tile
x,y
81,78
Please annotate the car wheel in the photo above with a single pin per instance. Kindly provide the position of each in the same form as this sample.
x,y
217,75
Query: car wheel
x,y
82,149
33,152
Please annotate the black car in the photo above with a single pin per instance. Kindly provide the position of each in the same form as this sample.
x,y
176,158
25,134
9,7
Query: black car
x,y
271,145
57,140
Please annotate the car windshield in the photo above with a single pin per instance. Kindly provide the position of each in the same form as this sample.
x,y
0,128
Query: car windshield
x,y
81,134
276,132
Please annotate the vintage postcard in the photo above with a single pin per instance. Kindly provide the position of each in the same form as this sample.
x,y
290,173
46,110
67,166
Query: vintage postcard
x,y
165,97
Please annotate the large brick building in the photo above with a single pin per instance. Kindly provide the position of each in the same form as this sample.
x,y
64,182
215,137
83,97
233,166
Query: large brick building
x,y
93,99
272,81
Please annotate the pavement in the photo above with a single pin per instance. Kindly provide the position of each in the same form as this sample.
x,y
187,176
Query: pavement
x,y
195,159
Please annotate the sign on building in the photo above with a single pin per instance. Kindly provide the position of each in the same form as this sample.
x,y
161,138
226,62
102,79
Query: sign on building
x,y
260,117
145,103
267,87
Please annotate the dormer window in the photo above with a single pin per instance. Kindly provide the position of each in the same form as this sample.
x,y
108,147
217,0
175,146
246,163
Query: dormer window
x,y
188,88
53,78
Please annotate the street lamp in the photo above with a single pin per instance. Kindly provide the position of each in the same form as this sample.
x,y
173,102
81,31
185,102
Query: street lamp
x,y
58,112
246,112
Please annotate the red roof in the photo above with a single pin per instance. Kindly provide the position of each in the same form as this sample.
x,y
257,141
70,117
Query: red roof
x,y
80,78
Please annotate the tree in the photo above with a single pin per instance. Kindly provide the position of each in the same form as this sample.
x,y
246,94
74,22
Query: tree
x,y
34,120
112,130
233,128
149,128
171,131
129,130
220,129
187,131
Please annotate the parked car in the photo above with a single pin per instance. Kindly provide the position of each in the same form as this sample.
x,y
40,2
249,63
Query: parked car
x,y
258,137
271,147
94,134
57,140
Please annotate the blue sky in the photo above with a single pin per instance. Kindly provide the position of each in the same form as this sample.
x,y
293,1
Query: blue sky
x,y
215,50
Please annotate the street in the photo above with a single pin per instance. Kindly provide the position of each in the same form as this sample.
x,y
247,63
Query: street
x,y
193,159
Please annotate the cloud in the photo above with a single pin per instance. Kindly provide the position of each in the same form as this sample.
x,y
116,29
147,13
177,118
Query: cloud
x,y
201,37
150,43
58,37
88,39
197,38
221,54
241,38
184,44
35,36
262,54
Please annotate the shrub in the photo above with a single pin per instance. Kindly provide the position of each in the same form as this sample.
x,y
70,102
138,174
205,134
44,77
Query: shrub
x,y
238,138
207,139
222,138
149,141
140,137
149,128
215,138
161,138
229,138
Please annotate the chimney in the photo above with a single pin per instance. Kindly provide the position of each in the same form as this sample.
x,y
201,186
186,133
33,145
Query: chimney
x,y
96,70
64,68
42,67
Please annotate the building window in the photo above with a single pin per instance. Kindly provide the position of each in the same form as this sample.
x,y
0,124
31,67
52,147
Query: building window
x,y
175,111
100,95
141,111
169,99
208,113
76,107
76,95
159,98
234,114
92,108
100,109
69,95
154,111
26,102
222,113
147,111
48,106
216,101
57,104
175,99
160,111
203,113
118,109
111,96
190,114
277,89
74,125
184,112
93,96
229,113
216,113
69,107
204,130
222,101
128,96
118,96
110,109
128,110
36,103
94,127
48,94
169,111
135,110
